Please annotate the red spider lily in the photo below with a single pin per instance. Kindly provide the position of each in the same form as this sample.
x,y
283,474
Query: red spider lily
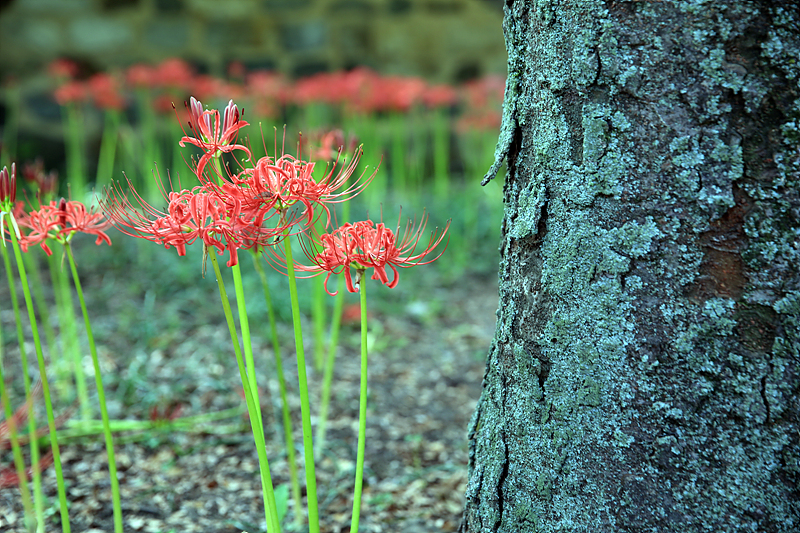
x,y
332,144
210,135
267,91
439,96
288,180
363,245
63,68
174,73
46,183
71,92
141,75
60,221
8,186
485,92
8,196
283,182
216,218
104,90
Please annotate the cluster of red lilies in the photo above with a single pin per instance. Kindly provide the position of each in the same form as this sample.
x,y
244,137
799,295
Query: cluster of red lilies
x,y
360,90
57,220
265,201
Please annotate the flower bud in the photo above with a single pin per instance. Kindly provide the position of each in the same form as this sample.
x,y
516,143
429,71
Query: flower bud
x,y
62,213
8,185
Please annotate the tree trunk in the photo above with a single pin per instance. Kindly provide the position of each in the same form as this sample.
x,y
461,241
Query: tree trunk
x,y
644,374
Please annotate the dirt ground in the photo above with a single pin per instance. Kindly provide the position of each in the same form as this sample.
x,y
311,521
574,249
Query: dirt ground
x,y
164,345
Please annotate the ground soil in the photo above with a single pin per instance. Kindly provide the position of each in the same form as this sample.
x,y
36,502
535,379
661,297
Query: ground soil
x,y
428,346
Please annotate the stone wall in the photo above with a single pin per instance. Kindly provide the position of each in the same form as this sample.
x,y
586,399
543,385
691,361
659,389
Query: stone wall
x,y
440,40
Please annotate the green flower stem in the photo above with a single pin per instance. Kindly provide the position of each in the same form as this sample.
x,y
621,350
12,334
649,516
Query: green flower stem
x,y
101,396
178,161
308,446
441,153
72,345
80,428
38,495
149,133
399,151
415,154
327,378
108,148
287,418
32,268
60,364
367,126
362,409
76,167
51,422
248,347
270,507
19,464
318,320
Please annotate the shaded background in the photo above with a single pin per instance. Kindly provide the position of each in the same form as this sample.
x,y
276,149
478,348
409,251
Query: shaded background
x,y
440,40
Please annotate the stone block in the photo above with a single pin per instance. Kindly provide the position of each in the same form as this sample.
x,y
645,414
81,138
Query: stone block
x,y
99,34
399,7
271,6
227,10
169,6
351,7
54,6
305,36
42,35
225,35
172,35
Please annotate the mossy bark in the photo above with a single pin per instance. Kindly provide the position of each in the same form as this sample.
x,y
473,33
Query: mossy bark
x,y
645,373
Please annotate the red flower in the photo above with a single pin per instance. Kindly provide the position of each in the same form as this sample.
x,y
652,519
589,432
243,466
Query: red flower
x,y
289,180
8,186
210,135
174,73
46,183
141,75
8,195
217,218
60,221
71,92
105,91
365,245
63,68
439,96
332,143
76,218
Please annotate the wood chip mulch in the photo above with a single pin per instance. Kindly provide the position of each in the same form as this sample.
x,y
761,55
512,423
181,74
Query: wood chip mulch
x,y
426,366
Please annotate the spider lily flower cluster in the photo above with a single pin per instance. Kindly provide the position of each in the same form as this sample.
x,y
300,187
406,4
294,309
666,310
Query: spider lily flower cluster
x,y
60,221
233,211
363,245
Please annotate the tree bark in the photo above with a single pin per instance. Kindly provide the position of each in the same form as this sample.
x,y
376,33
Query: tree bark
x,y
644,374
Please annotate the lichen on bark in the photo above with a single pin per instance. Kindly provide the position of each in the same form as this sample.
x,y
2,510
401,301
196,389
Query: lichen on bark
x,y
644,374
